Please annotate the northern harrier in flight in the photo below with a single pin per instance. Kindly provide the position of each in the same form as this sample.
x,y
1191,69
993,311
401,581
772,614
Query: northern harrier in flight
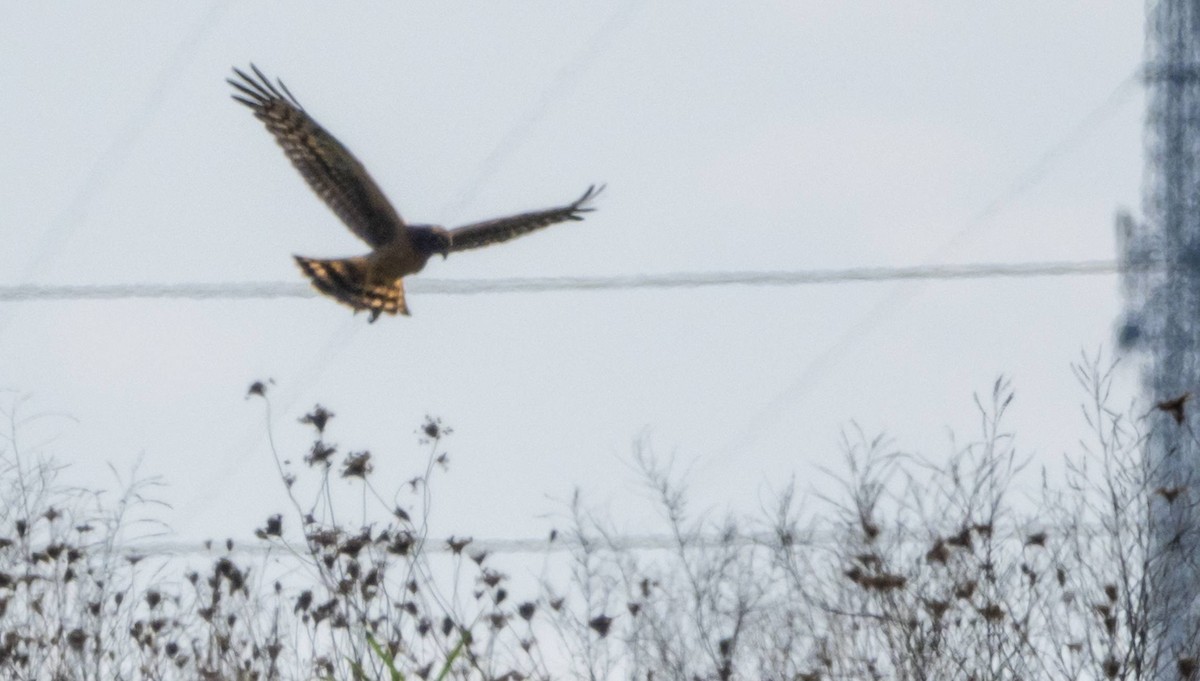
x,y
374,281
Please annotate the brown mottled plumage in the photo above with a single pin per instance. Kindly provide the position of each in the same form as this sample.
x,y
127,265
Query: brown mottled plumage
x,y
372,282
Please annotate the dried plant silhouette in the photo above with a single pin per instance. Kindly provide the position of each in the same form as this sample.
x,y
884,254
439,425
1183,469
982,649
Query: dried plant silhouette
x,y
901,567
914,569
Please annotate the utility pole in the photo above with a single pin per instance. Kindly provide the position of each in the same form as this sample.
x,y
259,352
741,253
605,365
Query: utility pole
x,y
1161,257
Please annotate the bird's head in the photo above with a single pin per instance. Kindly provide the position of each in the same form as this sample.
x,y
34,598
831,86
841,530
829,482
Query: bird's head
x,y
430,239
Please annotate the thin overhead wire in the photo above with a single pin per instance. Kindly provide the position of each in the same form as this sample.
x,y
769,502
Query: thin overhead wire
x,y
268,290
517,134
823,538
68,220
495,546
558,87
338,341
561,85
1064,146
807,376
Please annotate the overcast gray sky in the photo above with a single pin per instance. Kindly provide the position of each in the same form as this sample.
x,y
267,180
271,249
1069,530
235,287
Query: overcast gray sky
x,y
733,136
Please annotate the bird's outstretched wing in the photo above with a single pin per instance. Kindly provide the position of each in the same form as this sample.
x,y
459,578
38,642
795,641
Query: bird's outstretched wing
x,y
330,169
503,229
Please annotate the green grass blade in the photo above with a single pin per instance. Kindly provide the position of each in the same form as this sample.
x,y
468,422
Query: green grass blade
x,y
386,657
458,649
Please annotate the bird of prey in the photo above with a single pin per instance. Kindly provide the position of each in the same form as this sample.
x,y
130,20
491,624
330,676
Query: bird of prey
x,y
375,281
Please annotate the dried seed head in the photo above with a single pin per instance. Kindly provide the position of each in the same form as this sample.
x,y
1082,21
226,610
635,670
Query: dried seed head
x,y
432,427
1169,493
870,529
303,602
318,417
962,539
320,453
938,553
1174,407
526,610
357,465
77,639
936,608
965,590
991,612
600,624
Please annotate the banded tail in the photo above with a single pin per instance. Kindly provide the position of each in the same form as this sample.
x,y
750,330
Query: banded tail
x,y
345,281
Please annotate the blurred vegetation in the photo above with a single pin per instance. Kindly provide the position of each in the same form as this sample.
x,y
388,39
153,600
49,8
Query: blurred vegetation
x,y
974,566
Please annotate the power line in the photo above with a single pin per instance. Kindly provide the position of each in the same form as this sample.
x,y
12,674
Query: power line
x,y
567,541
496,546
266,290
559,87
69,218
117,152
1075,136
904,293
